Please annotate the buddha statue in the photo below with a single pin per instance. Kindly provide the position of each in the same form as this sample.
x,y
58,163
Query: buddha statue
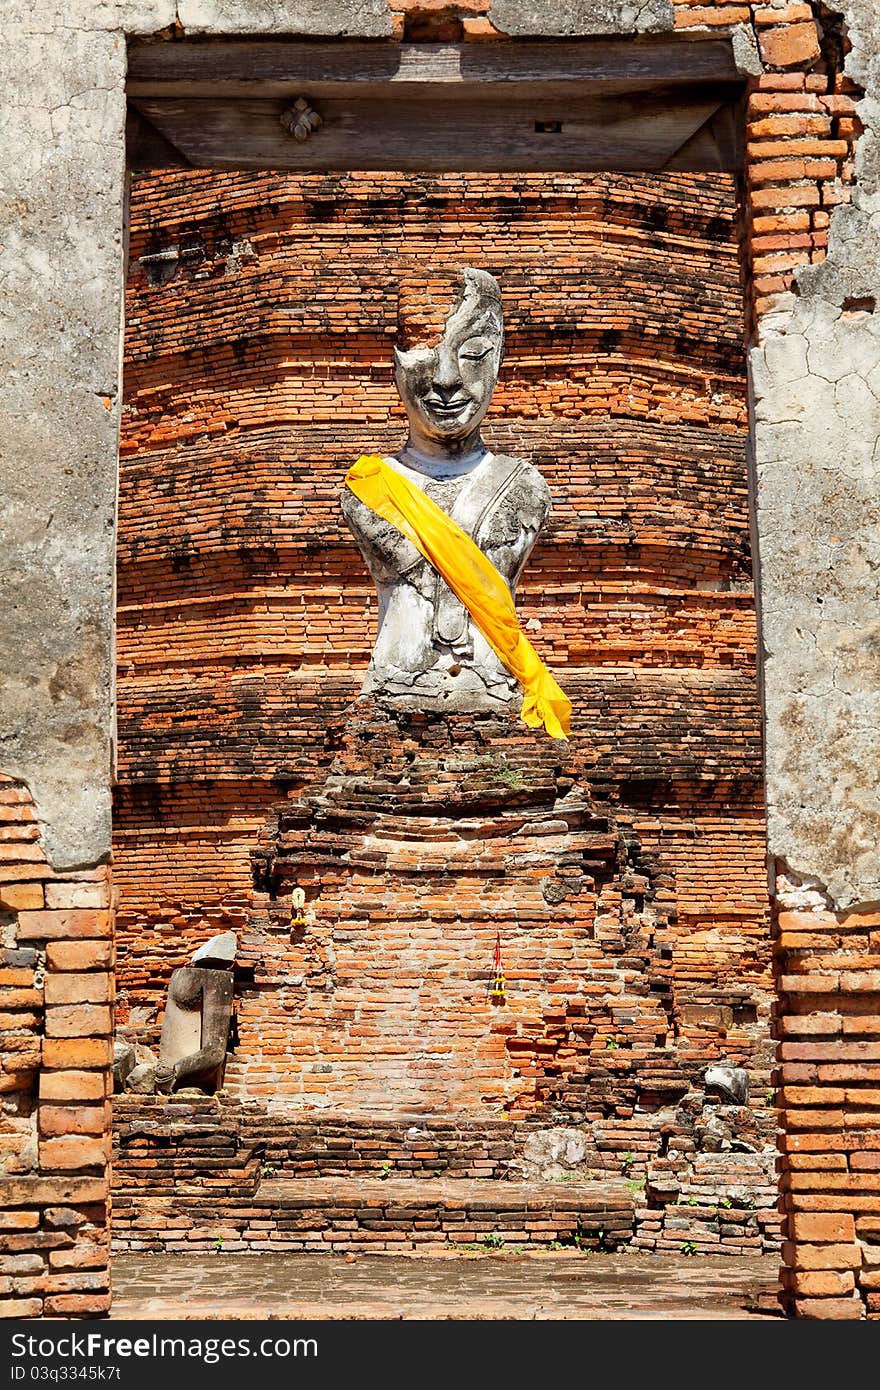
x,y
198,1015
429,654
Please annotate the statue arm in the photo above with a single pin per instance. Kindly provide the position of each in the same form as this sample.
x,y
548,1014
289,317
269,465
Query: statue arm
x,y
389,556
201,1065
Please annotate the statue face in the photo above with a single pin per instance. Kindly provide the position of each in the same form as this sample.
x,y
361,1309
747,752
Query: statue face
x,y
446,389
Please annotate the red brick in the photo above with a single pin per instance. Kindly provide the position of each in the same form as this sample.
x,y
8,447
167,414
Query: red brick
x,y
78,1280
479,30
93,988
21,1307
84,1255
788,46
79,1304
838,1309
80,1119
19,1220
804,1256
66,1054
79,955
772,15
67,895
831,1227
823,1283
15,896
73,1085
78,1020
808,921
72,1153
61,924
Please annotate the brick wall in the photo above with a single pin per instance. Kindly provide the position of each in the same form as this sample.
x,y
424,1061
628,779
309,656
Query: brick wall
x,y
191,1171
801,128
256,373
56,997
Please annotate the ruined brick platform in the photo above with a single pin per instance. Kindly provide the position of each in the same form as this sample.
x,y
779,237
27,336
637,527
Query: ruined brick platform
x,y
379,1096
191,1169
343,1214
624,871
430,837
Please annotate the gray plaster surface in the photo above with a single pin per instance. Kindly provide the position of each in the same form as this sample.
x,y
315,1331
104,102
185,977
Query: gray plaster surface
x,y
61,259
62,188
584,18
321,18
816,401
368,19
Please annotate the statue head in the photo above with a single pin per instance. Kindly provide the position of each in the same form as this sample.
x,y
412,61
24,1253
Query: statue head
x,y
450,344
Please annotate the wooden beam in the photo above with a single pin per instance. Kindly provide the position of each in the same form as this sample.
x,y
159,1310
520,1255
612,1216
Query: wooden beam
x,y
148,148
418,132
266,68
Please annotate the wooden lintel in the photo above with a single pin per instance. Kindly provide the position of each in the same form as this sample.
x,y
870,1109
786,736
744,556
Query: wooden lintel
x,y
271,67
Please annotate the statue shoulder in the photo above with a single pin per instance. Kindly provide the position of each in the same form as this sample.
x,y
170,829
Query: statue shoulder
x,y
524,489
352,507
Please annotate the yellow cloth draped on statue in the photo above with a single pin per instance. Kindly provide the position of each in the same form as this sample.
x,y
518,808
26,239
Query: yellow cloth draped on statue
x,y
472,578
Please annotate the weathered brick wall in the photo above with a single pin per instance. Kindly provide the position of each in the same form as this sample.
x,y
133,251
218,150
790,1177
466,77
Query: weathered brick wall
x,y
801,128
191,1171
829,1024
255,373
56,997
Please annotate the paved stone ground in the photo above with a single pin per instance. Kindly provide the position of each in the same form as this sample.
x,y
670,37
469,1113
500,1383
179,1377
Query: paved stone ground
x,y
478,1286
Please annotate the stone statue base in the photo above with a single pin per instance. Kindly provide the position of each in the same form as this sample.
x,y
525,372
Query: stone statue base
x,y
431,839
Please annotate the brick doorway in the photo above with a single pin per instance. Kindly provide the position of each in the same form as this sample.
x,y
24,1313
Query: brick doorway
x,y
261,311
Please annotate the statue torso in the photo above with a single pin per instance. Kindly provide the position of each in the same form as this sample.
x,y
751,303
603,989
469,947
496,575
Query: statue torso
x,y
428,652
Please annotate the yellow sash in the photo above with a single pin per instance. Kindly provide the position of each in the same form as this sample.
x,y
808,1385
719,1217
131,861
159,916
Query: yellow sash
x,y
471,577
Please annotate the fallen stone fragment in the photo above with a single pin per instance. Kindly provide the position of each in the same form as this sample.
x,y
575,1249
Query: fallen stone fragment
x,y
219,952
124,1062
142,1079
731,1082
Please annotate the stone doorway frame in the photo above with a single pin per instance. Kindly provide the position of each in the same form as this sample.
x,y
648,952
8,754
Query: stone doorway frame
x,y
812,195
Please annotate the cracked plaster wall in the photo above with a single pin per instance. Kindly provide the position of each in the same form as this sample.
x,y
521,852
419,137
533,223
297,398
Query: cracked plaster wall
x,y
580,18
816,402
61,191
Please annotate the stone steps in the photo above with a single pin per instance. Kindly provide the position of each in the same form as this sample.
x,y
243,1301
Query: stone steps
x,y
394,1215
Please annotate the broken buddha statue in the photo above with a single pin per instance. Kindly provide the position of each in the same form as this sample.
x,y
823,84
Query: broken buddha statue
x,y
446,525
198,1013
